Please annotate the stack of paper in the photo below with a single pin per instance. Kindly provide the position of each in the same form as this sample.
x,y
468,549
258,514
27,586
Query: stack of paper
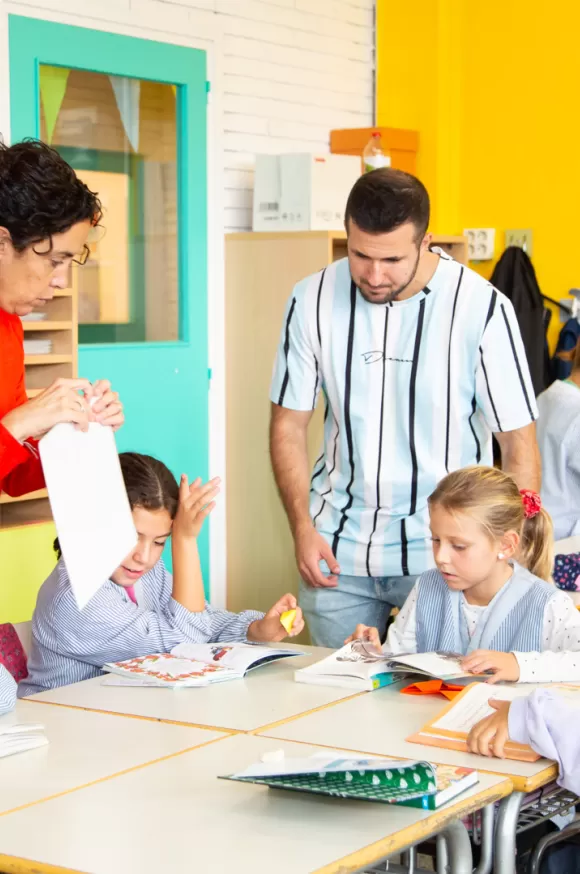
x,y
20,738
37,347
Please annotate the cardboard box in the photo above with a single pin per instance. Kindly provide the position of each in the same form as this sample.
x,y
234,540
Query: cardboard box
x,y
303,192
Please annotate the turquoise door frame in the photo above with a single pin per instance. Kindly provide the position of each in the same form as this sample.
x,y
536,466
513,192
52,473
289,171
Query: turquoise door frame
x,y
164,386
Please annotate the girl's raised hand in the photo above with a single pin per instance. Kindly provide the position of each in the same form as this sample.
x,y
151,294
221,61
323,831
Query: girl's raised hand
x,y
503,665
195,503
270,629
366,632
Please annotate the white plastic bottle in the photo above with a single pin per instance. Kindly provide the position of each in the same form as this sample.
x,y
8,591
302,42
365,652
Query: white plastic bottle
x,y
374,156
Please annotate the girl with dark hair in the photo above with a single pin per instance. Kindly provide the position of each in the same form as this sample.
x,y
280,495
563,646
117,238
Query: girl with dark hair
x,y
142,609
46,213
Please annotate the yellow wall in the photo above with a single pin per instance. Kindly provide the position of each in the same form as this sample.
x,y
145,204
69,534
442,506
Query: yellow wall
x,y
27,559
492,90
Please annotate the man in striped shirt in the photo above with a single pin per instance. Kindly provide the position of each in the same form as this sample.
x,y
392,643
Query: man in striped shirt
x,y
420,361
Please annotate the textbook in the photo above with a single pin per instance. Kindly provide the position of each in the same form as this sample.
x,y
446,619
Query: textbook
x,y
20,738
414,784
450,728
194,664
360,666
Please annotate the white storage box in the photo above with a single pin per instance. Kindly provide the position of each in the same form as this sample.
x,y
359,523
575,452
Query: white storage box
x,y
303,192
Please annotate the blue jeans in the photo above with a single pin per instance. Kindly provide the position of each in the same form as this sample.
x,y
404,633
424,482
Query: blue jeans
x,y
332,614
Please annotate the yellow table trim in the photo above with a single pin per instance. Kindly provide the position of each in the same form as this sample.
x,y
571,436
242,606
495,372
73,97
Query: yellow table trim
x,y
15,865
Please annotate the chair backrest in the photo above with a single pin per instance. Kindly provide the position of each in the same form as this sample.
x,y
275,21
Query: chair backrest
x,y
24,632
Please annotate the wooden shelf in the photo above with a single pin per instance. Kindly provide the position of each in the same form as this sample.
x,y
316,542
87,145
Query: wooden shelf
x,y
33,392
63,292
47,326
47,359
31,496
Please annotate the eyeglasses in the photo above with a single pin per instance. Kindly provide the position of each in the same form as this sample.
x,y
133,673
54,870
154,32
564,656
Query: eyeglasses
x,y
83,257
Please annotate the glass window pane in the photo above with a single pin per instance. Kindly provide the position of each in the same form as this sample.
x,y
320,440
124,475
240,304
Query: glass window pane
x,y
120,135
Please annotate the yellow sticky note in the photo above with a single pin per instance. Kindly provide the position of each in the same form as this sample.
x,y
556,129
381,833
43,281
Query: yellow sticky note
x,y
287,619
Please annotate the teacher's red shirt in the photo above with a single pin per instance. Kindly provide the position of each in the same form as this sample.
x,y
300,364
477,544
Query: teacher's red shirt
x,y
20,468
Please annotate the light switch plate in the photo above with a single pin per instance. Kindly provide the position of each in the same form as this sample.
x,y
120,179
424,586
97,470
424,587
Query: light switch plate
x,y
521,237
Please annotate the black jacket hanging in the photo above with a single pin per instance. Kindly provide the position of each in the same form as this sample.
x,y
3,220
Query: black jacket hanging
x,y
515,276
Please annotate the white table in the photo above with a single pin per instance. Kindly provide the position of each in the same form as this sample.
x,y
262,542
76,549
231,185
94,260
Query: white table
x,y
84,748
177,816
262,699
379,722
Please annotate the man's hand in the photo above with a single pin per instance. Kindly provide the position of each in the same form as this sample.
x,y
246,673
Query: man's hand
x,y
488,737
311,548
503,665
60,402
270,629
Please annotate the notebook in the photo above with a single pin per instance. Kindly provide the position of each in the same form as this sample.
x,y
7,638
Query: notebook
x,y
360,666
450,728
416,784
194,664
20,738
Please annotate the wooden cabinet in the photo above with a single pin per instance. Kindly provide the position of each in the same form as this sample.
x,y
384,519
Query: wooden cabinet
x,y
261,270
60,327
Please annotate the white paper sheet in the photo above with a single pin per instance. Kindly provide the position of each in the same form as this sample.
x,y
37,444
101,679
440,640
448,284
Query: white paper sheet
x,y
89,504
474,706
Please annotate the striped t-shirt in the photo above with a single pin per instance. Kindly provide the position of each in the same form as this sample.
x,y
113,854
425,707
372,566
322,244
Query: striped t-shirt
x,y
414,389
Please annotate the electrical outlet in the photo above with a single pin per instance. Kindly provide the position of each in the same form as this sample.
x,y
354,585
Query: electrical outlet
x,y
520,237
480,243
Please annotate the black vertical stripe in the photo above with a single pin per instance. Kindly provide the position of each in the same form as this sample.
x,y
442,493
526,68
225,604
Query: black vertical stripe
x,y
318,308
286,350
475,437
517,363
347,421
412,400
499,428
491,308
380,444
315,383
404,549
448,426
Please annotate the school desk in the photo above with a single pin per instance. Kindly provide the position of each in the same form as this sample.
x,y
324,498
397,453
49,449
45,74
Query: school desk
x,y
266,696
83,748
177,816
378,722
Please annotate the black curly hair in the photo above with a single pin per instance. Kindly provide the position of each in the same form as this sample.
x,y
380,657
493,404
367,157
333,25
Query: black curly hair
x,y
40,194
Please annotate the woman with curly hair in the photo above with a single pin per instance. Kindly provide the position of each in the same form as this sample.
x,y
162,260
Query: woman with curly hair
x,y
46,213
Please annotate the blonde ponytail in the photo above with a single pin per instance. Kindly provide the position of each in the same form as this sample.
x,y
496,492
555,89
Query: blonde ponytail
x,y
536,552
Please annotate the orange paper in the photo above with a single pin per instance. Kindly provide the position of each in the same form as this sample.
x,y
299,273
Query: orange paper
x,y
433,687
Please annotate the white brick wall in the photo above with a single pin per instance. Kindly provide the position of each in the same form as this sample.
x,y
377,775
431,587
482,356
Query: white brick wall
x,y
290,70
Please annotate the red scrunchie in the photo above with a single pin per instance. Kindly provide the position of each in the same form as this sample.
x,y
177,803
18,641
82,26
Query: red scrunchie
x,y
532,503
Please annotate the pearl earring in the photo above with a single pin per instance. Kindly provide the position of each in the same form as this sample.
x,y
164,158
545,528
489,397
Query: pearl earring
x,y
501,556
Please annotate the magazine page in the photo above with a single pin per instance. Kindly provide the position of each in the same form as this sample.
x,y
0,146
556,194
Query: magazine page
x,y
169,670
443,665
356,659
239,657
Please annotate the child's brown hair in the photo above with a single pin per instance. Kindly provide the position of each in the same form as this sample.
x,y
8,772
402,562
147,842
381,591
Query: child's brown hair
x,y
494,499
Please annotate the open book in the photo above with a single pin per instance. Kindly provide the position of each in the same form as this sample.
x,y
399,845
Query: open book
x,y
194,664
450,728
20,738
417,784
360,666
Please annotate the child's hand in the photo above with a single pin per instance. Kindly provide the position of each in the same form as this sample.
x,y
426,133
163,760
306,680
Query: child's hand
x,y
366,632
270,628
195,503
489,736
503,665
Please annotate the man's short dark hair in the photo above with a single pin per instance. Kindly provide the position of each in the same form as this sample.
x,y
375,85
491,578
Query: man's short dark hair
x,y
385,199
40,194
